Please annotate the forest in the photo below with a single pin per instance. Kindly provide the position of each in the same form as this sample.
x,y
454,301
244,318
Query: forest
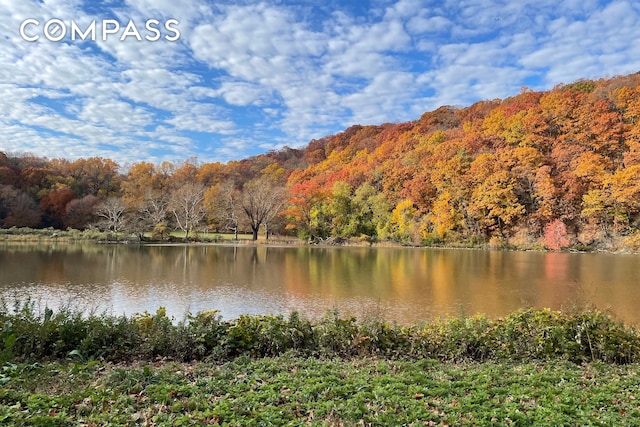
x,y
551,169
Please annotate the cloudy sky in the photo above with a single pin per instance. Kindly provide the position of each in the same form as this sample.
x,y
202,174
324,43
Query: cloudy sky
x,y
245,77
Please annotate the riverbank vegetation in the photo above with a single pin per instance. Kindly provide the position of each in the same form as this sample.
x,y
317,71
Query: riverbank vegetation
x,y
534,367
585,336
553,169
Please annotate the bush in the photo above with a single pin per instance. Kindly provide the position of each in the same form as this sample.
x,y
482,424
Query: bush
x,y
525,335
555,235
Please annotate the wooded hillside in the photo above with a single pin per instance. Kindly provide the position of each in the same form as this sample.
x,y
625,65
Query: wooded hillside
x,y
558,168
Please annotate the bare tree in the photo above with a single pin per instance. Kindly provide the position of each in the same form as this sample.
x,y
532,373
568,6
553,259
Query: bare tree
x,y
261,201
230,208
149,212
112,214
222,205
155,206
186,203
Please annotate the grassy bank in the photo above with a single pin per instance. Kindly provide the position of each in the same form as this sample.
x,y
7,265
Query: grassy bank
x,y
534,367
294,390
93,235
52,235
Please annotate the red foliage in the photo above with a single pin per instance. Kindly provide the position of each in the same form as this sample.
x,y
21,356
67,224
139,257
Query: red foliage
x,y
53,207
555,235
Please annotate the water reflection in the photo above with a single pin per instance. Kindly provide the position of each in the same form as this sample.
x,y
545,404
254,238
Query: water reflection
x,y
406,285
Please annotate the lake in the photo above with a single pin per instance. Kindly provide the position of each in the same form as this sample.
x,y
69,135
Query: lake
x,y
406,285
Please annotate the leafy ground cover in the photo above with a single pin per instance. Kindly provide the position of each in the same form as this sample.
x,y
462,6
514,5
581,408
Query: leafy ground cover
x,y
295,390
534,367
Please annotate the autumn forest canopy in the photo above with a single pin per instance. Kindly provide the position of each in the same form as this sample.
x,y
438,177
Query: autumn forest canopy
x,y
554,168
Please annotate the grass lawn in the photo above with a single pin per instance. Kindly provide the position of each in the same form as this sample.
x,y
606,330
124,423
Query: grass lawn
x,y
293,390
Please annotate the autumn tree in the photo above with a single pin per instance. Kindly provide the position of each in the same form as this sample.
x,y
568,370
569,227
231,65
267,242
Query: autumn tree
x,y
445,216
495,203
17,208
614,205
8,175
223,207
141,178
145,192
186,173
53,207
95,176
80,213
304,204
624,187
555,235
404,225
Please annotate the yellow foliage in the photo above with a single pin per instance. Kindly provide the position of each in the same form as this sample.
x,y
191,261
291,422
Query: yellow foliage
x,y
402,220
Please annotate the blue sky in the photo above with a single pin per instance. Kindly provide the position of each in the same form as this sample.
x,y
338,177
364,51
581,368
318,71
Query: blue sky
x,y
246,77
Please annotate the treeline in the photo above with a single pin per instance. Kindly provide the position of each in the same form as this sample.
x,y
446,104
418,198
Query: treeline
x,y
240,196
555,168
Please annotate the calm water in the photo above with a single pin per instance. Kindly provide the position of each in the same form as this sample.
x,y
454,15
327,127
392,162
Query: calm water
x,y
406,285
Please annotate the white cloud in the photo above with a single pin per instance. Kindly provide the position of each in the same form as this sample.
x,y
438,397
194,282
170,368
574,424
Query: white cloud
x,y
423,23
593,47
201,118
249,76
243,93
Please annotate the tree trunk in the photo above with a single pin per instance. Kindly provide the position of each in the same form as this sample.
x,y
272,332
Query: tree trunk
x,y
255,233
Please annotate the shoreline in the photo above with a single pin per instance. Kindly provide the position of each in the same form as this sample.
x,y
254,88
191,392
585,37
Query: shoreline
x,y
107,238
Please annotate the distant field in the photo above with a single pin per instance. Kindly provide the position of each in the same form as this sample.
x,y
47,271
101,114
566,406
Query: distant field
x,y
32,234
211,235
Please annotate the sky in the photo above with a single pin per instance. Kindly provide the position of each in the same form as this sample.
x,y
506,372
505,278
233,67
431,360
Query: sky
x,y
224,80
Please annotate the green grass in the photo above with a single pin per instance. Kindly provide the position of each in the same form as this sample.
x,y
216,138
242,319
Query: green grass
x,y
294,390
50,234
209,236
534,367
71,235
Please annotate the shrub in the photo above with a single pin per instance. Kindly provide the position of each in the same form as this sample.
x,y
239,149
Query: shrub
x,y
524,335
555,235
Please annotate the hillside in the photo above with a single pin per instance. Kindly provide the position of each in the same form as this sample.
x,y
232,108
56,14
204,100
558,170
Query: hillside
x,y
554,168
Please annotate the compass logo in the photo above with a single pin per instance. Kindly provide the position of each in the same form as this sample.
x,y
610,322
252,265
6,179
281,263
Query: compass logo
x,y
56,30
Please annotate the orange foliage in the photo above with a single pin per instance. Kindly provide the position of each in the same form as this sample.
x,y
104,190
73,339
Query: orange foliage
x,y
570,154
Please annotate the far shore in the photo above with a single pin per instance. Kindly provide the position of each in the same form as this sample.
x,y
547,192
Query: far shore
x,y
49,235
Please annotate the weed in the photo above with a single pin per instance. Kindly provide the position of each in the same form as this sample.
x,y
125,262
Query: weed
x,y
526,335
